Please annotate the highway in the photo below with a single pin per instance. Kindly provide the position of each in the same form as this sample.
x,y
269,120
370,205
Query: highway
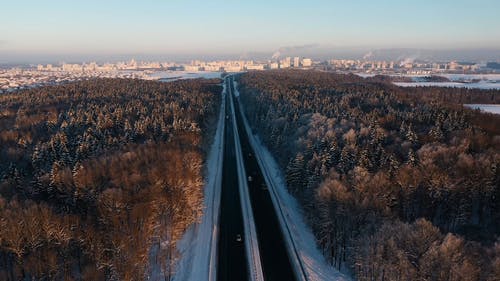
x,y
232,263
247,210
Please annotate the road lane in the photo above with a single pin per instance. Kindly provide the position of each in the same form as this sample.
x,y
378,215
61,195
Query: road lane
x,y
275,261
232,264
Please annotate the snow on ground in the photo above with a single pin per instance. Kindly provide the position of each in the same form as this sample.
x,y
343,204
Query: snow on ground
x,y
474,85
468,77
198,246
300,239
236,92
491,108
452,76
472,81
179,75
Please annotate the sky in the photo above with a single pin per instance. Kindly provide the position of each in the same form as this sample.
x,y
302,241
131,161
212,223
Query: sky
x,y
57,28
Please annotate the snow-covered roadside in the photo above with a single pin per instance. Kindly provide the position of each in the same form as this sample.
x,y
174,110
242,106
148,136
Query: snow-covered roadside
x,y
310,263
198,246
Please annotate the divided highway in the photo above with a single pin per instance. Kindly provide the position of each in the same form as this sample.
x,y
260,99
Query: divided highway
x,y
251,244
232,262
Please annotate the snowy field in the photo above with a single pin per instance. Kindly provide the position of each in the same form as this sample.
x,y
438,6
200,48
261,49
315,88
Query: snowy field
x,y
491,108
469,77
472,81
475,85
178,75
451,76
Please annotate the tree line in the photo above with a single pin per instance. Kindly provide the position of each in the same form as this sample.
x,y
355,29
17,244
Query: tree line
x,y
100,178
396,183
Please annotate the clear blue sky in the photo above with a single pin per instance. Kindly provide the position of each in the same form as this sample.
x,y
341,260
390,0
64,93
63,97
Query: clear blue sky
x,y
195,26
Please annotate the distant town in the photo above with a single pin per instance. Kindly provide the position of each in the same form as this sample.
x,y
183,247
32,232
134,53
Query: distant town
x,y
24,77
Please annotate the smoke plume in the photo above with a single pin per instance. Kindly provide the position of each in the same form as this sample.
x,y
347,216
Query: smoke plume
x,y
290,50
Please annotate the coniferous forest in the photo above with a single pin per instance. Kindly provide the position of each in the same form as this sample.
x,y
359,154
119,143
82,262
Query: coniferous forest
x,y
396,183
100,177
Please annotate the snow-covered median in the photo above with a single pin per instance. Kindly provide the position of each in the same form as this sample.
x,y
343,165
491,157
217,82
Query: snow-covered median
x,y
251,240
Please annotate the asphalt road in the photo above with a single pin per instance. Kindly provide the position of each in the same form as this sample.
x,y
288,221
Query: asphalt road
x,y
231,252
274,256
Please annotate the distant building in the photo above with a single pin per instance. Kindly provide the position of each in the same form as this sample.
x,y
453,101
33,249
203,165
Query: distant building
x,y
306,62
212,67
296,62
72,67
408,65
191,68
255,67
286,63
454,65
232,68
274,65
132,64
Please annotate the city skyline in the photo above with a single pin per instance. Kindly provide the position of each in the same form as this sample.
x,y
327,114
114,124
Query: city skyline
x,y
59,30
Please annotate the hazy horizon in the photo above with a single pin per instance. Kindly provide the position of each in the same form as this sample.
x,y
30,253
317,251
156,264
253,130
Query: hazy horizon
x,y
48,31
317,53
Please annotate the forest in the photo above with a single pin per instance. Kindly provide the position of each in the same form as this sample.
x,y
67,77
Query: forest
x,y
100,178
396,183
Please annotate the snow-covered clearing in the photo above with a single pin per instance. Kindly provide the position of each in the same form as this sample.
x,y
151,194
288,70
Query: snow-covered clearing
x,y
306,258
468,77
471,81
475,85
491,108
